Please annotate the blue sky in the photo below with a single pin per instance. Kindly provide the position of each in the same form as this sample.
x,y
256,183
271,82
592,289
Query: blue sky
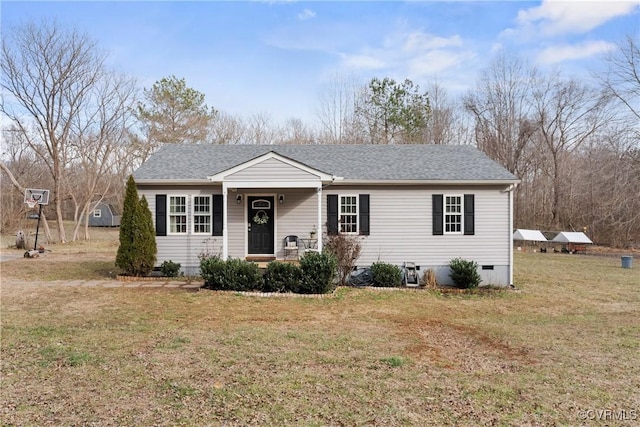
x,y
274,58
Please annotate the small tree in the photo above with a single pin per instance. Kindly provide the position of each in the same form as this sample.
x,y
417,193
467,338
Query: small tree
x,y
137,251
464,273
346,250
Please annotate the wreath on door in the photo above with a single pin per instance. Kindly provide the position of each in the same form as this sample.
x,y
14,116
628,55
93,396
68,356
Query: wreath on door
x,y
261,217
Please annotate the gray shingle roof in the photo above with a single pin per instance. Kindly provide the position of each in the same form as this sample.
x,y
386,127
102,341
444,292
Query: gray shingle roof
x,y
174,162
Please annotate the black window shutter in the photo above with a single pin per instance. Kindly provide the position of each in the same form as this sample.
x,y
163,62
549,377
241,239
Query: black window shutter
x,y
161,214
364,214
332,214
469,214
218,214
437,214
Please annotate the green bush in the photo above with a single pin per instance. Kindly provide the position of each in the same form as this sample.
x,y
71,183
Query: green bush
x,y
232,275
386,275
213,272
282,277
137,250
170,268
244,275
318,273
464,273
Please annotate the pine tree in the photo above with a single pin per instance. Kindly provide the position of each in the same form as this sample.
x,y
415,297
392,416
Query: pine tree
x,y
137,251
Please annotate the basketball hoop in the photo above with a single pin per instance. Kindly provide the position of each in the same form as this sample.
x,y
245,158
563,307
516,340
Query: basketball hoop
x,y
33,197
31,203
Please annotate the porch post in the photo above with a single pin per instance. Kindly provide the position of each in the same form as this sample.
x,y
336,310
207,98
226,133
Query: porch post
x,y
225,214
319,224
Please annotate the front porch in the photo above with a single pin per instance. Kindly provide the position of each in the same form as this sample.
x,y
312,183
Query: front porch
x,y
267,199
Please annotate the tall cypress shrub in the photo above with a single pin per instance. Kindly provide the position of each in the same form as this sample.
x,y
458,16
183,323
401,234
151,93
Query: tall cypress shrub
x,y
147,245
137,251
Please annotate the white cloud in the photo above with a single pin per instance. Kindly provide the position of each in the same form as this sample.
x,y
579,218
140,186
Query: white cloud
x,y
419,41
561,53
555,17
306,14
437,62
413,54
363,61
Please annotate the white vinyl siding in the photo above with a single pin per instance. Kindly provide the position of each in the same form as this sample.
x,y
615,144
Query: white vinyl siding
x,y
272,170
201,214
177,215
401,229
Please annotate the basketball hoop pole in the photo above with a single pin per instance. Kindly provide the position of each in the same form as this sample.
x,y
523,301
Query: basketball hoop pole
x,y
35,245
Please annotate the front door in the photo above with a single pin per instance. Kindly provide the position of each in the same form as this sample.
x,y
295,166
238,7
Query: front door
x,y
260,221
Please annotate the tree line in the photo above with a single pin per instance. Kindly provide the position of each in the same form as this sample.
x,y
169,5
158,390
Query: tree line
x,y
76,126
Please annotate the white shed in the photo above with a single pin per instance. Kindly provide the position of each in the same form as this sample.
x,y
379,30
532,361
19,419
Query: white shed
x,y
529,235
573,241
571,237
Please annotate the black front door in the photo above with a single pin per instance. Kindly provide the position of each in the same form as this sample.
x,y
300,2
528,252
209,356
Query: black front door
x,y
260,221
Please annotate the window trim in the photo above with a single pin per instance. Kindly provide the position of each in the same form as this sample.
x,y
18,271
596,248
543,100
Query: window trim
x,y
355,214
97,213
460,214
195,214
170,215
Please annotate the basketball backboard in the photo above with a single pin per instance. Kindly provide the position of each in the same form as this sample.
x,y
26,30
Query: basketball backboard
x,y
34,196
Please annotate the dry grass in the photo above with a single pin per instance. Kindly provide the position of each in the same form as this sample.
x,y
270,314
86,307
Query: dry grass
x,y
567,341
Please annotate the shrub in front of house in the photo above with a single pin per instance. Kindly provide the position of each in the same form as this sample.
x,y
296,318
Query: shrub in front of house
x,y
346,250
386,275
170,268
282,277
231,275
318,272
137,249
213,272
464,273
243,275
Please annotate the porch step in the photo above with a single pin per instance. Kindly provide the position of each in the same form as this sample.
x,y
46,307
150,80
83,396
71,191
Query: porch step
x,y
262,265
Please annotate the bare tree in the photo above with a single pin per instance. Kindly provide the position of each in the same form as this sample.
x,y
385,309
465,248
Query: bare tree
x,y
622,77
260,130
444,125
295,131
566,114
226,129
21,166
49,72
502,108
59,95
97,138
335,110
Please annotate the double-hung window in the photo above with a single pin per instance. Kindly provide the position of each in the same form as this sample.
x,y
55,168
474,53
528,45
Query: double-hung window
x,y
348,214
177,214
202,214
453,214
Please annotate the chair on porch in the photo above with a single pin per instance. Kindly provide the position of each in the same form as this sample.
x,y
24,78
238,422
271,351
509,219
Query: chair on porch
x,y
291,247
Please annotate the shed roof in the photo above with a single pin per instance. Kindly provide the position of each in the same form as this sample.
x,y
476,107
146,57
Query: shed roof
x,y
571,237
530,235
420,162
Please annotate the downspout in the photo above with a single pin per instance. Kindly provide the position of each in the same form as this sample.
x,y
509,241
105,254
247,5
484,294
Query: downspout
x,y
225,214
319,226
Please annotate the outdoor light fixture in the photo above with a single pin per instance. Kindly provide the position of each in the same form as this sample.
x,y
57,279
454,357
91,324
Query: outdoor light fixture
x,y
281,198
239,198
